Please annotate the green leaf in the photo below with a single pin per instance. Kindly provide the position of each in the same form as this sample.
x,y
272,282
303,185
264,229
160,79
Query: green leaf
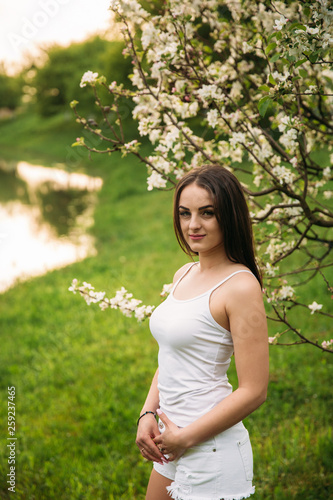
x,y
297,26
73,104
299,63
313,57
264,88
264,104
303,73
275,58
270,47
208,50
271,79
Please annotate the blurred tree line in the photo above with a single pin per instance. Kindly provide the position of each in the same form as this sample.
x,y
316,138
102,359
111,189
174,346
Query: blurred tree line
x,y
49,87
10,89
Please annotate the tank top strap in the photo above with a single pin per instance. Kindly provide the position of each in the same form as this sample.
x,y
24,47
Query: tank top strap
x,y
228,277
183,275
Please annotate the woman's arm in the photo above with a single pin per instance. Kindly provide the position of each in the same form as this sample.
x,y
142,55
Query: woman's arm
x,y
245,312
147,425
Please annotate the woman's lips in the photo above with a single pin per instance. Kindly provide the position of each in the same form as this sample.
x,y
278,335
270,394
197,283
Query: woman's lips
x,y
196,237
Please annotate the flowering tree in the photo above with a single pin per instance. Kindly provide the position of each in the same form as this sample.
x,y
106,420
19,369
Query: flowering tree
x,y
248,85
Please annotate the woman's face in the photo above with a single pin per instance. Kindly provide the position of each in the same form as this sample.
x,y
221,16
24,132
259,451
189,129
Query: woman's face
x,y
198,222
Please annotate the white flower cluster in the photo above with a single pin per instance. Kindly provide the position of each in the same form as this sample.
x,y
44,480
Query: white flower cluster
x,y
289,140
270,270
129,7
283,174
88,78
327,344
210,92
315,38
289,133
155,180
166,289
123,300
276,249
284,293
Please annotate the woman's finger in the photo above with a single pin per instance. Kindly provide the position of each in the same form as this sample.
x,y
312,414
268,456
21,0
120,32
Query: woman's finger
x,y
152,453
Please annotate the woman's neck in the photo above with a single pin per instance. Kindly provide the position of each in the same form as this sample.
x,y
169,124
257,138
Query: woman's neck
x,y
214,259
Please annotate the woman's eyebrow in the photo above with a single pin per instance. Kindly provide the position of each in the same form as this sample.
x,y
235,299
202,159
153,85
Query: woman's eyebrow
x,y
200,208
206,206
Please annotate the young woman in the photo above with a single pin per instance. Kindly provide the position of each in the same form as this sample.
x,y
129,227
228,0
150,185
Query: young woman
x,y
200,447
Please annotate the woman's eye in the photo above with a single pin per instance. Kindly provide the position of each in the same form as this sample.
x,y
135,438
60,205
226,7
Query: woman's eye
x,y
208,213
184,214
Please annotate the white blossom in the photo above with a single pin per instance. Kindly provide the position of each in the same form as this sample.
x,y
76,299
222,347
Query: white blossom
x,y
171,137
315,307
311,90
281,77
236,138
270,270
143,312
289,139
286,292
327,173
212,117
312,31
327,344
166,289
149,34
279,23
72,288
246,48
209,92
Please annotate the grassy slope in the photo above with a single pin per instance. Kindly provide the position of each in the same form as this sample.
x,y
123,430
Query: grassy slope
x,y
81,375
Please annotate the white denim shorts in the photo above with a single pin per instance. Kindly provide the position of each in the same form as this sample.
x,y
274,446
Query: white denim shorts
x,y
218,469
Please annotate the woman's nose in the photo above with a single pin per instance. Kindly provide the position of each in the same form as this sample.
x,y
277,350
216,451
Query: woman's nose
x,y
194,222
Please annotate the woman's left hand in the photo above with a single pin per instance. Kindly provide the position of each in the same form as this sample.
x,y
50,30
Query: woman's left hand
x,y
169,441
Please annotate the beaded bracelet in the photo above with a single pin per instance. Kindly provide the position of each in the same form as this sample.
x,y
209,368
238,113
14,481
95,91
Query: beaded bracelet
x,y
144,415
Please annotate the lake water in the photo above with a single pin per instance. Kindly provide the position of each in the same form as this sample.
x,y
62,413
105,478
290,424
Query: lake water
x,y
44,217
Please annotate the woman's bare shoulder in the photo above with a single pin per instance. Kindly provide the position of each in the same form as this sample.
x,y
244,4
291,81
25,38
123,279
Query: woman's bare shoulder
x,y
243,292
178,274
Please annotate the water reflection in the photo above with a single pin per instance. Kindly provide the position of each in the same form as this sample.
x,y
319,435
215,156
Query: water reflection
x,y
44,216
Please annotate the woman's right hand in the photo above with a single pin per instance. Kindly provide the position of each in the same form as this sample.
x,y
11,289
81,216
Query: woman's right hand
x,y
147,431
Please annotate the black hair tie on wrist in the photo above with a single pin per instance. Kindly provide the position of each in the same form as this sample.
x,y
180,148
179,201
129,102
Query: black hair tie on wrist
x,y
152,412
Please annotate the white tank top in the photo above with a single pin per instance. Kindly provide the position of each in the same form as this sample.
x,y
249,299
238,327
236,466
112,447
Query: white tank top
x,y
194,355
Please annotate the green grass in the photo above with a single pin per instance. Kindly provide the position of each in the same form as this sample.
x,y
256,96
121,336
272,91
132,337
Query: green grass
x,y
81,375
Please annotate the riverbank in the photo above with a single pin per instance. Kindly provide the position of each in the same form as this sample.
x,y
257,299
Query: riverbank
x,y
81,375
